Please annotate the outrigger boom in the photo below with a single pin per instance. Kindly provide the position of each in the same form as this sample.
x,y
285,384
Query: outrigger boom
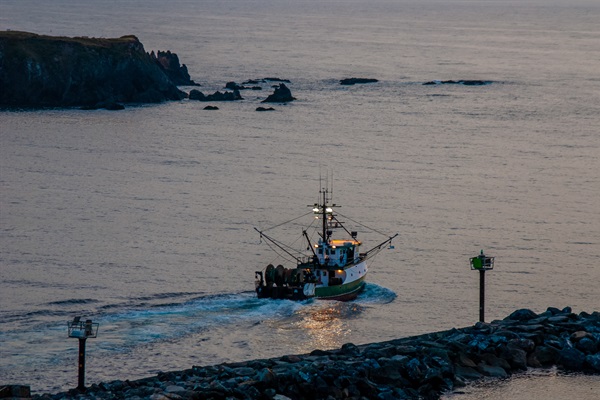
x,y
335,269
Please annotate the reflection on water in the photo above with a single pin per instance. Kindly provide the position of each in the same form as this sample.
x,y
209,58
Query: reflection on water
x,y
327,326
321,324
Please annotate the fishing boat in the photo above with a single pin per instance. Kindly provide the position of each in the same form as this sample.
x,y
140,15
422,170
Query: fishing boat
x,y
330,266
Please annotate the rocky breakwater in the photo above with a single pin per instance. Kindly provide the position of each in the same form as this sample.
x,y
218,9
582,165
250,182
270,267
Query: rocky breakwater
x,y
48,71
416,367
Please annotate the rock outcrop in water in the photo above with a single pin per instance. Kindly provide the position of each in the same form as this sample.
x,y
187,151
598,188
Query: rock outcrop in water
x,y
48,71
460,82
169,63
420,367
354,81
282,94
216,96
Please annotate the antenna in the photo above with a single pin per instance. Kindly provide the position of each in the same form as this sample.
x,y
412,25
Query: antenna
x,y
331,198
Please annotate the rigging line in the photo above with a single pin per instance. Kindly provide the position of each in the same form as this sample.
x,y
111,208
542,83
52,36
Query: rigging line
x,y
363,225
287,222
289,246
274,249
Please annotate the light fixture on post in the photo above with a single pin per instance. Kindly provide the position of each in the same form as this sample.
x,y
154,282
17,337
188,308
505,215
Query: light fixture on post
x,y
82,330
482,263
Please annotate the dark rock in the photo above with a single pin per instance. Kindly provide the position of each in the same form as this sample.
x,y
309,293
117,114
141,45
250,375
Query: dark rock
x,y
244,371
571,359
282,94
460,82
353,81
15,392
522,315
276,80
319,352
216,96
291,359
587,345
489,370
553,310
350,349
46,71
234,86
169,63
577,336
468,373
466,361
211,108
545,355
112,106
196,95
516,357
592,361
265,109
494,361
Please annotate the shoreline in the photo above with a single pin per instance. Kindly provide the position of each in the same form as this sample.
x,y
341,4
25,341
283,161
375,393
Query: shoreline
x,y
423,366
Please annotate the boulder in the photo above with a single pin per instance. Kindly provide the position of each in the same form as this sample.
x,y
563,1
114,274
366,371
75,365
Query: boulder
x,y
571,359
522,315
489,370
592,361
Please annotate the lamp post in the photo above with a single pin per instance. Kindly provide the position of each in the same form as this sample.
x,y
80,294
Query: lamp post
x,y
482,263
82,330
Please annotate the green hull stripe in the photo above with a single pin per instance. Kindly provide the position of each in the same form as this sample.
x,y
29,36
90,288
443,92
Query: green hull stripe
x,y
333,291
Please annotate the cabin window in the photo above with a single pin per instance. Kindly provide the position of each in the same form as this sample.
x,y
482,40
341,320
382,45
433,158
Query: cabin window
x,y
320,251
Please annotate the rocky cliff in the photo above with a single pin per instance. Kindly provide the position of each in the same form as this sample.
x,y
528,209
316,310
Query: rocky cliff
x,y
47,71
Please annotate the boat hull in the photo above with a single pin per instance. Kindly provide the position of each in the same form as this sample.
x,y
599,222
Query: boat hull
x,y
352,285
344,292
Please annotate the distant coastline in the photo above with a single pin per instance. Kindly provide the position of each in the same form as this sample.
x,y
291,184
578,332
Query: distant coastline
x,y
424,366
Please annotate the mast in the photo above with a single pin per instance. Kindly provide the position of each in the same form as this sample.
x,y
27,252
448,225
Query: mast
x,y
324,207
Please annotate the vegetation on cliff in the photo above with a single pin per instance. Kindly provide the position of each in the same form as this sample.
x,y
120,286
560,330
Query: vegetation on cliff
x,y
47,71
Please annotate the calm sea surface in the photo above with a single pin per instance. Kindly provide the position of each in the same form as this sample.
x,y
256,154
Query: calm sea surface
x,y
142,219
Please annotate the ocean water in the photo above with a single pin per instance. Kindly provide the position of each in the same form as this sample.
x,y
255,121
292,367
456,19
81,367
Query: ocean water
x,y
142,219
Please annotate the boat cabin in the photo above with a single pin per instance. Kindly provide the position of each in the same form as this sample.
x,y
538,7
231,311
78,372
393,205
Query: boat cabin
x,y
337,252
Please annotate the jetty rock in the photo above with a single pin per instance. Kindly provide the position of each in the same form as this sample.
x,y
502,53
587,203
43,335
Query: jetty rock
x,y
418,367
50,71
282,94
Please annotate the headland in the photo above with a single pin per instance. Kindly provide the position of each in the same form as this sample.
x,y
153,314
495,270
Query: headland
x,y
50,71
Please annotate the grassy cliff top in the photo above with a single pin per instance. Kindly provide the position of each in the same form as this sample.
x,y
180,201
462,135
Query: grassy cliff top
x,y
82,40
15,44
